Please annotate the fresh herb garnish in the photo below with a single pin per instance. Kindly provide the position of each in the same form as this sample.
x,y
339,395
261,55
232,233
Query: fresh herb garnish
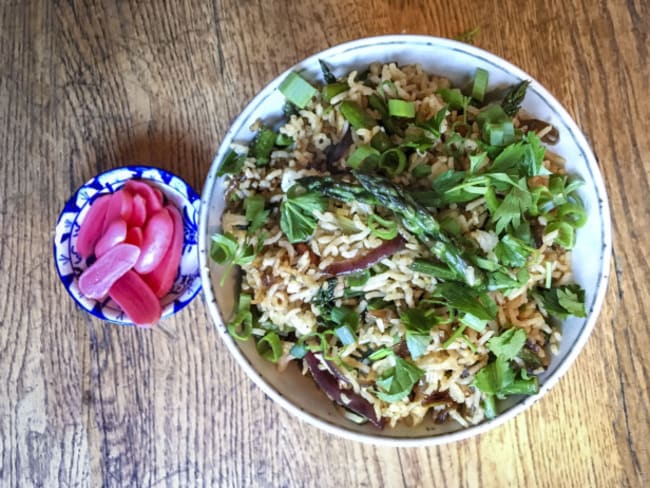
x,y
297,218
500,378
398,381
564,301
241,326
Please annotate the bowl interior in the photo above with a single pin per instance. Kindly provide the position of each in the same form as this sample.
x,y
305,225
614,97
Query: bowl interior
x,y
456,61
70,264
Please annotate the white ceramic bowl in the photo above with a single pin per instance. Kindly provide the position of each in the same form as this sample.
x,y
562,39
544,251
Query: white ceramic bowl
x,y
457,61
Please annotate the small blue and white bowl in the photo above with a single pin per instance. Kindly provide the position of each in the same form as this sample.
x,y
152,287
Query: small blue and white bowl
x,y
70,265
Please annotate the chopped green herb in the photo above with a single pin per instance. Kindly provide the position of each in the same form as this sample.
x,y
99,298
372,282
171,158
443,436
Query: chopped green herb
x,y
397,382
263,146
346,335
255,213
361,154
297,218
232,164
334,89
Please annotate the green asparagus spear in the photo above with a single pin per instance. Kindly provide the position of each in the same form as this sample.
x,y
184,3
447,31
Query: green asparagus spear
x,y
415,218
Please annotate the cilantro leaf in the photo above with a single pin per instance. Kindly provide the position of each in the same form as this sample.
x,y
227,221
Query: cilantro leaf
x,y
523,158
508,344
232,164
494,377
512,252
397,382
297,218
563,301
476,161
572,299
468,300
511,208
418,327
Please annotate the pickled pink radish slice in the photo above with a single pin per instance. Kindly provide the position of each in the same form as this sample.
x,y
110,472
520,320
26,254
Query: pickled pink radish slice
x,y
159,194
96,281
134,236
139,212
114,234
91,228
147,192
137,300
157,235
120,207
161,279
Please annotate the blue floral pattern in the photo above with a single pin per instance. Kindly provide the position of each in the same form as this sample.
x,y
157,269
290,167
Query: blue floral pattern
x,y
70,264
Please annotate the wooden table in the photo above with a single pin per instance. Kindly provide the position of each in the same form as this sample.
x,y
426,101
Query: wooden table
x,y
89,85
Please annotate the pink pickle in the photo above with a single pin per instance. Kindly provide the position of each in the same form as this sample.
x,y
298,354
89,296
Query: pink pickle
x,y
96,281
139,213
91,228
113,235
134,236
156,238
120,207
136,299
153,203
162,278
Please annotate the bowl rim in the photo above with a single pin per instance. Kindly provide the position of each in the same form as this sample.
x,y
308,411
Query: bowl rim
x,y
192,196
563,366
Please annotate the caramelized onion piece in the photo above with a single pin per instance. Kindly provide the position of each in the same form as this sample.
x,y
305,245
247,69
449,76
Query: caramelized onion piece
x,y
359,263
327,378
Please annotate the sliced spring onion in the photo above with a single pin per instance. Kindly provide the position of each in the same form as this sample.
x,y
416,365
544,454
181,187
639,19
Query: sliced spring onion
x,y
480,84
360,154
390,84
383,228
381,354
471,346
572,213
421,171
298,351
346,335
381,142
473,322
393,161
489,407
453,97
269,347
401,108
356,115
357,279
549,276
263,145
565,235
452,338
241,326
297,90
333,89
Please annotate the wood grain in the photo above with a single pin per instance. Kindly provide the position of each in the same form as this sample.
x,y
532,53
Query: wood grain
x,y
88,85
